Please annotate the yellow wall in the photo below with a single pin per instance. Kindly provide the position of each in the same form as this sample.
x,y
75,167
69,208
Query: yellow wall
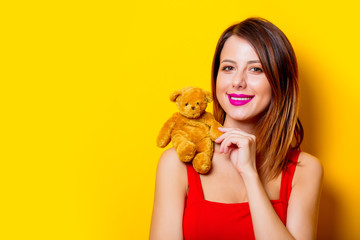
x,y
84,91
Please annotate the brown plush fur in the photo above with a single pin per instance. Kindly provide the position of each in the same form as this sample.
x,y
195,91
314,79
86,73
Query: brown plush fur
x,y
192,130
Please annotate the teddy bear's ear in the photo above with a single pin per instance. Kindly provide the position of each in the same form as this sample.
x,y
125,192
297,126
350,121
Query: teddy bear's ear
x,y
174,95
208,96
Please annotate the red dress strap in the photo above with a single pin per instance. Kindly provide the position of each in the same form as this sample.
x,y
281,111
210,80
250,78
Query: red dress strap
x,y
288,174
195,192
228,221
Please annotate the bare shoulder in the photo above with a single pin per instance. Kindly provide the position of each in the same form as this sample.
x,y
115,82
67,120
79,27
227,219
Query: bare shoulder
x,y
170,168
170,192
309,169
169,160
310,163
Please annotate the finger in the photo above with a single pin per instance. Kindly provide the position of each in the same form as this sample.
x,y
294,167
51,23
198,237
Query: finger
x,y
221,138
229,143
224,136
222,129
225,130
236,141
229,134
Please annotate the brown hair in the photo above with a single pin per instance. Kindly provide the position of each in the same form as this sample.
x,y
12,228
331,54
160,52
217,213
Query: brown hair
x,y
280,126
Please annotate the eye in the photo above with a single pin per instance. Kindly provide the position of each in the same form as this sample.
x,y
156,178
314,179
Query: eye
x,y
186,104
228,68
256,69
197,103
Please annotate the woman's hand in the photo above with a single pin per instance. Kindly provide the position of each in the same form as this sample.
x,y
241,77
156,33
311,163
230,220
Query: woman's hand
x,y
242,148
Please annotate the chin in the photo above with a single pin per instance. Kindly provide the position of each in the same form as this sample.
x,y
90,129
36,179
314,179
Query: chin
x,y
238,117
245,117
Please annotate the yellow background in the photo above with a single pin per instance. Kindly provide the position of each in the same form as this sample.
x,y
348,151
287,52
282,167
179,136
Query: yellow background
x,y
84,91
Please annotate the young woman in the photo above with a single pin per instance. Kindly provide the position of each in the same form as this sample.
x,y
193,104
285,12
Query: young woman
x,y
261,185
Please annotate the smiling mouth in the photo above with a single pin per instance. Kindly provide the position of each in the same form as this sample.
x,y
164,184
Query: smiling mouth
x,y
239,99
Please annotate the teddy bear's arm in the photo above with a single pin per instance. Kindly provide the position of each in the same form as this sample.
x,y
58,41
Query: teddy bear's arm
x,y
213,124
164,136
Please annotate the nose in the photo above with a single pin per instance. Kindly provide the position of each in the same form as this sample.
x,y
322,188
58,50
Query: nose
x,y
193,108
239,81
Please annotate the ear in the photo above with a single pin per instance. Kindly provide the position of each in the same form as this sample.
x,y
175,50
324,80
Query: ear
x,y
208,96
175,95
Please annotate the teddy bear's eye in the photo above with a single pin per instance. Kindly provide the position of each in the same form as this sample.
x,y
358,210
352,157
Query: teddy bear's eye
x,y
186,104
197,103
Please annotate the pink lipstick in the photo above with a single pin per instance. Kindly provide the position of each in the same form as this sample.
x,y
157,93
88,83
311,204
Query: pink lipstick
x,y
239,99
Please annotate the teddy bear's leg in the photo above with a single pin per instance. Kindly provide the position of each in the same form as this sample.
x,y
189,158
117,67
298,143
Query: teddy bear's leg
x,y
202,160
185,149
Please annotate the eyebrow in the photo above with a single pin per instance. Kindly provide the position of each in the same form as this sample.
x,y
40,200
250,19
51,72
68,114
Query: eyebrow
x,y
248,62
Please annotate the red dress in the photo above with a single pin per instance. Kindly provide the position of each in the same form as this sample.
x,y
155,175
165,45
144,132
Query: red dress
x,y
213,220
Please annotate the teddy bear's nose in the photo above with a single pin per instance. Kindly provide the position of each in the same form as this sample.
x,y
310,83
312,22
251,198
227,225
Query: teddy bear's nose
x,y
193,108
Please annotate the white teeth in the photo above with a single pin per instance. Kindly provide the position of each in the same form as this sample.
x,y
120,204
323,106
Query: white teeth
x,y
234,98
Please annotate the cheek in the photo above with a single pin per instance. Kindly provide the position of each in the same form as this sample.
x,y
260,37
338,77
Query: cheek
x,y
218,92
267,93
262,87
221,86
223,79
267,90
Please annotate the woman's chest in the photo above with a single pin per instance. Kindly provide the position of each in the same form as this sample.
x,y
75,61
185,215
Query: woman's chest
x,y
225,185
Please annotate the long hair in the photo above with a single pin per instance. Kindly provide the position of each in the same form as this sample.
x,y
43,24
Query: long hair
x,y
279,129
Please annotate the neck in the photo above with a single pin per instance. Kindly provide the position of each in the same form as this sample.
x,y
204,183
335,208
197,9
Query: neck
x,y
247,126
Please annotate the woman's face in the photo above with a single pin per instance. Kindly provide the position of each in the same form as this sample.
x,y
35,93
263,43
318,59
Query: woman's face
x,y
242,88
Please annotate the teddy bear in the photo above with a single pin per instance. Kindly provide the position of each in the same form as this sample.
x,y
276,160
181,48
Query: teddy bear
x,y
192,130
